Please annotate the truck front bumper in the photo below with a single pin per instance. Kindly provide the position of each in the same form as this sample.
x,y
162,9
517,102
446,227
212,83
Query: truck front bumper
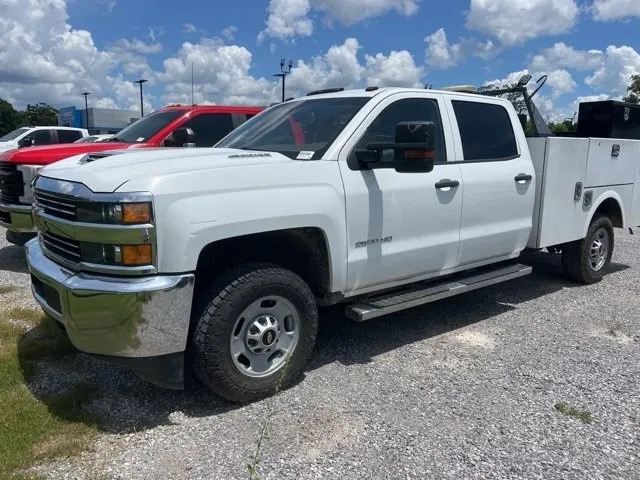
x,y
141,323
16,218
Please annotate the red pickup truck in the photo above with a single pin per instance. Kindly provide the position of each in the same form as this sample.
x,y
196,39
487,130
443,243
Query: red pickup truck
x,y
175,126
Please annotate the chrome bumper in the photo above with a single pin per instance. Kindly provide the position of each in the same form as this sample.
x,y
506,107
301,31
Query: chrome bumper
x,y
118,317
16,218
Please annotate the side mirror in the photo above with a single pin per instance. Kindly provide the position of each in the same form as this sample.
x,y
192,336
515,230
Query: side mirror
x,y
184,137
415,146
25,142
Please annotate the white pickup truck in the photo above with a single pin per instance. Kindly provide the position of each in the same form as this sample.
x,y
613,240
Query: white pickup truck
x,y
379,199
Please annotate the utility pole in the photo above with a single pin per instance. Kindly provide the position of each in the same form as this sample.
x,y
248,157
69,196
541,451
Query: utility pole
x,y
141,81
284,72
86,110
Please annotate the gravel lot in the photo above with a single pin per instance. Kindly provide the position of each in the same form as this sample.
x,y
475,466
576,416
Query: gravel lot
x,y
462,389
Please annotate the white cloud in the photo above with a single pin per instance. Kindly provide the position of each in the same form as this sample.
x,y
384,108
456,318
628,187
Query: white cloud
x,y
515,21
561,81
442,54
614,76
189,28
562,55
396,70
287,18
607,10
229,32
221,75
139,46
611,69
354,11
43,57
291,18
339,67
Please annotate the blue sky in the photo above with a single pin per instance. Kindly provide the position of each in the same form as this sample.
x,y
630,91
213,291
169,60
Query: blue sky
x,y
52,50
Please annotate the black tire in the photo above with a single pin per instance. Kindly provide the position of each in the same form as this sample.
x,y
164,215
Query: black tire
x,y
18,238
576,262
218,311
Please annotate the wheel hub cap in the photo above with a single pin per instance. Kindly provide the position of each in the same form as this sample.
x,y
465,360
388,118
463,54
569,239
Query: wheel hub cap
x,y
266,332
262,334
599,250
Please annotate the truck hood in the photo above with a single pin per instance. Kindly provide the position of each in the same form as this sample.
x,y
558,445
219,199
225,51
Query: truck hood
x,y
4,146
46,154
106,173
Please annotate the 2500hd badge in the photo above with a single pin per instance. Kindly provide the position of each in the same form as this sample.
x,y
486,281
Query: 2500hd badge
x,y
373,241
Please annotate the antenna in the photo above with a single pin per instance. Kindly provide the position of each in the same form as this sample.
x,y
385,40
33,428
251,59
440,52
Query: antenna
x,y
192,102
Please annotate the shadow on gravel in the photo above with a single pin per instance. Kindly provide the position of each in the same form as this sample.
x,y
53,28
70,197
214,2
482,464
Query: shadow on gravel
x,y
13,259
125,403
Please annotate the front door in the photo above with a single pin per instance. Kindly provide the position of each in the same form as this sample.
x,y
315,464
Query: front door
x,y
401,225
498,177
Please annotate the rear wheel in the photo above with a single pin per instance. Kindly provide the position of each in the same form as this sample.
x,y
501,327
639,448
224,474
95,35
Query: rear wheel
x,y
255,332
585,261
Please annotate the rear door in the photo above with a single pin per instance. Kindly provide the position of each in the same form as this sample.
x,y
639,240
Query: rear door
x,y
498,177
68,136
401,226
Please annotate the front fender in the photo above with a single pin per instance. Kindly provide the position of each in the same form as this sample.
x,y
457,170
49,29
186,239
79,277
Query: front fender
x,y
186,225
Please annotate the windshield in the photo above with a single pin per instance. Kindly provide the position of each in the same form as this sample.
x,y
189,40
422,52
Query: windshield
x,y
142,130
13,135
308,126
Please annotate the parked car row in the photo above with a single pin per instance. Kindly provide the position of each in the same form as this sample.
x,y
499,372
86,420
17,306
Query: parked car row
x,y
378,199
176,126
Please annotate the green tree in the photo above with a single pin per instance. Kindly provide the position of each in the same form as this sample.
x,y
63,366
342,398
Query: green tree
x,y
562,127
42,114
8,117
634,90
515,98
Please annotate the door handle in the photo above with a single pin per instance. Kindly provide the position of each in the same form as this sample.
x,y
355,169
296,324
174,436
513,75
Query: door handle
x,y
522,177
446,183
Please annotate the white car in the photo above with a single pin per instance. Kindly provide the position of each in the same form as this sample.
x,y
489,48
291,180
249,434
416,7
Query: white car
x,y
94,138
46,135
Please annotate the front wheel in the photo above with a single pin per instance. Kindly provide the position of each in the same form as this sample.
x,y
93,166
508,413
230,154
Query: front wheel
x,y
255,332
585,261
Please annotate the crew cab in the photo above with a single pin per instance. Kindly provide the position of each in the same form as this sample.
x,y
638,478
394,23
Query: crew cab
x,y
174,126
35,136
378,199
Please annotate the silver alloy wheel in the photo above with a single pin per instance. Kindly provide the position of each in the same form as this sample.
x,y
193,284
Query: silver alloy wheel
x,y
599,250
264,335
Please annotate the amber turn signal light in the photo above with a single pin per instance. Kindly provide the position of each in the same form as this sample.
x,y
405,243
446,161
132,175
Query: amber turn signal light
x,y
136,213
136,254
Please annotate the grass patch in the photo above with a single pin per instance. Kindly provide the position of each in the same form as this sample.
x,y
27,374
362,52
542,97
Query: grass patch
x,y
32,316
33,429
7,289
570,411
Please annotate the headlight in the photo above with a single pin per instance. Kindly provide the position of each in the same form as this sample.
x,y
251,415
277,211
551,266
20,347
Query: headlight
x,y
129,213
117,255
115,213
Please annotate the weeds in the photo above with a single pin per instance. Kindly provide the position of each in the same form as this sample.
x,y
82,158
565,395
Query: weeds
x,y
252,466
570,411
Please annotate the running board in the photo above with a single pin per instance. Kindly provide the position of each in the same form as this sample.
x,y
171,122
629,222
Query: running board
x,y
388,303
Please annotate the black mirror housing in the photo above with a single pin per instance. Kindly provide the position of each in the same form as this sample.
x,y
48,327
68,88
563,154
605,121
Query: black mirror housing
x,y
415,146
184,137
25,142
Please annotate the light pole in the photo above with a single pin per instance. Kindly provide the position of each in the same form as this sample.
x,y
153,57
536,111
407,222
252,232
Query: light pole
x,y
86,110
141,81
284,73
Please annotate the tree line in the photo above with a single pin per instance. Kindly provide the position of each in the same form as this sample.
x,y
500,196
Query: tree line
x,y
40,114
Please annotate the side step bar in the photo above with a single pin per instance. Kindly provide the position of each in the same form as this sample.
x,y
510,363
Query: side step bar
x,y
388,303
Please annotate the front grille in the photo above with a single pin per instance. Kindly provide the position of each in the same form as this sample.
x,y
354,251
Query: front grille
x,y
56,206
62,247
11,183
